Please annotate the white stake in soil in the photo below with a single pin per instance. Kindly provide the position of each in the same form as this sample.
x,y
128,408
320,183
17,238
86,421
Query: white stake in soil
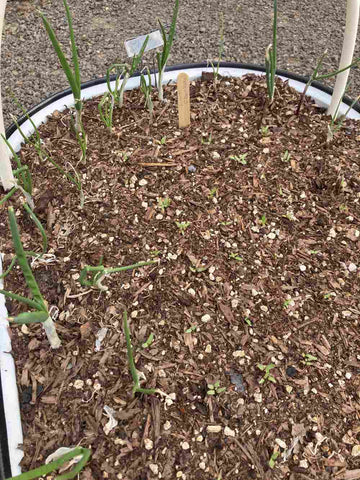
x,y
6,175
9,389
352,21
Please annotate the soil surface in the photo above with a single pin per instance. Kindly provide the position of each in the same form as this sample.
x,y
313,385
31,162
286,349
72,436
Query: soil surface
x,y
30,68
252,220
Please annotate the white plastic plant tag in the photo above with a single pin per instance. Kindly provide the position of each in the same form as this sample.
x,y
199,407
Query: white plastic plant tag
x,y
133,46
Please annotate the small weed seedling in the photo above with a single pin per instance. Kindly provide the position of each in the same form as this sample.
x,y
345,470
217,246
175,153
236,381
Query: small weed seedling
x,y
308,359
72,455
163,57
182,226
213,192
264,130
285,157
263,220
206,139
149,341
192,329
215,389
134,373
336,124
248,321
37,302
73,76
235,256
164,203
270,59
287,303
240,158
155,253
267,376
221,49
274,457
100,272
162,141
146,88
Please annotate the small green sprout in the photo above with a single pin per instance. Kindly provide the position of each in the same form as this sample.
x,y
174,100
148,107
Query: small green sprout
x,y
343,208
149,341
273,457
198,269
328,295
191,329
264,130
308,358
182,226
155,253
213,192
285,157
162,141
266,369
314,252
215,389
235,256
206,139
287,303
239,158
263,220
248,321
164,203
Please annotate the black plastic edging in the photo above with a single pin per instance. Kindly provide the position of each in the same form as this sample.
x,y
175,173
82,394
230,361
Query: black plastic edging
x,y
4,448
257,68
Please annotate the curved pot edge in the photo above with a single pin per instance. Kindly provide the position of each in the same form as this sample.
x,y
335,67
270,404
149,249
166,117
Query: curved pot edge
x,y
246,66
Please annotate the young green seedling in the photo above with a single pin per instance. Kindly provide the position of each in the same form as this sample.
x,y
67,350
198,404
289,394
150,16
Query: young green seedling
x,y
308,359
240,158
130,355
37,302
221,49
206,139
235,256
263,220
213,192
285,157
73,75
287,302
274,457
163,57
215,389
267,376
182,226
270,59
336,123
192,329
164,203
98,273
248,321
40,472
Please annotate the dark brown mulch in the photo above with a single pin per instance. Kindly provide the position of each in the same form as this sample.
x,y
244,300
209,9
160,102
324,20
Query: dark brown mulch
x,y
266,272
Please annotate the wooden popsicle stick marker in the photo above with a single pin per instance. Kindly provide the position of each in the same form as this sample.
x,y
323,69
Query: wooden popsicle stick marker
x,y
183,88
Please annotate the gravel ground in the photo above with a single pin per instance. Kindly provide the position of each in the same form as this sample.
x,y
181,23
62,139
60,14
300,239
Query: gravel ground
x,y
30,67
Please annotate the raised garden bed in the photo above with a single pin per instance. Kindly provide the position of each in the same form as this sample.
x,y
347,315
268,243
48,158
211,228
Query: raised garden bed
x,y
253,218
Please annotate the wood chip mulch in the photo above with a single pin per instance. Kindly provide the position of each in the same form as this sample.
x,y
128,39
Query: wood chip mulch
x,y
254,219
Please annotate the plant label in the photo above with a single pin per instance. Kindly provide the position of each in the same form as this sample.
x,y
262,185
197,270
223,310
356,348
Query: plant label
x,y
133,46
183,88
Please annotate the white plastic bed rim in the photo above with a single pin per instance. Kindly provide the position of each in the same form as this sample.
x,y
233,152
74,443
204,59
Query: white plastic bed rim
x,y
323,99
9,389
